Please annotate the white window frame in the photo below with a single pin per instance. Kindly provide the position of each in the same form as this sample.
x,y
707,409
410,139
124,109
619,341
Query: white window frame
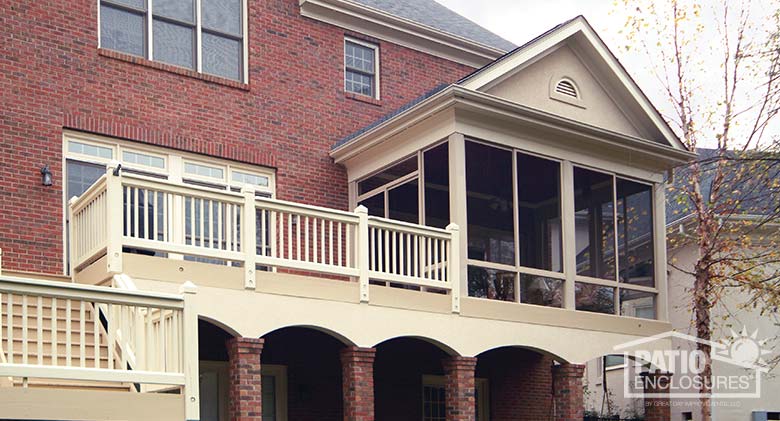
x,y
198,50
372,46
173,171
280,373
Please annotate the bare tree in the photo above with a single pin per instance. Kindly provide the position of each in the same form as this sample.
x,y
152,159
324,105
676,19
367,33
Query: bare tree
x,y
718,65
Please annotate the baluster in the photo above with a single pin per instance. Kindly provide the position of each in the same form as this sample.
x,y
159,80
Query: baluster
x,y
263,232
110,327
417,256
24,330
40,330
220,223
10,306
229,244
211,224
82,335
174,354
298,222
136,207
162,342
393,251
289,236
201,220
123,340
408,242
340,246
400,258
54,342
437,257
330,241
306,236
148,342
145,196
155,214
428,262
128,216
322,241
68,332
96,334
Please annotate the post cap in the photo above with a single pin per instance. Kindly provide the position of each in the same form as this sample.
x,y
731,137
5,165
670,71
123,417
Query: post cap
x,y
452,227
188,288
248,188
361,209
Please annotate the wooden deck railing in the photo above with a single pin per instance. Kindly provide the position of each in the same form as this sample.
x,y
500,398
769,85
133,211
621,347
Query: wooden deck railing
x,y
57,330
121,212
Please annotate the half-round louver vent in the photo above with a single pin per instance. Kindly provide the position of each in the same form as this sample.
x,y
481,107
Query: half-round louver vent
x,y
565,87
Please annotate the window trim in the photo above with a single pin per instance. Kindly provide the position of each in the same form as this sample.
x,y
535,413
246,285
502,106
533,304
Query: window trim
x,y
375,48
174,169
148,48
280,372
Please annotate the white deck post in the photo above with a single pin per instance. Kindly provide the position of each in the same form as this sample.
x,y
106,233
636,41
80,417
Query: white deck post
x,y
457,174
362,252
569,237
659,240
453,263
189,352
114,219
249,237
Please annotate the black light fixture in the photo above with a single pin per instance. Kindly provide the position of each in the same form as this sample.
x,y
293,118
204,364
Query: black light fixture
x,y
46,176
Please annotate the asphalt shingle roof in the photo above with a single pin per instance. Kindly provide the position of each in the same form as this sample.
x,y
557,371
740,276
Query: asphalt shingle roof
x,y
435,15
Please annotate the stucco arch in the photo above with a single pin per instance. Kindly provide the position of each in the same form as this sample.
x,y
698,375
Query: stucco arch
x,y
438,344
537,350
219,324
327,331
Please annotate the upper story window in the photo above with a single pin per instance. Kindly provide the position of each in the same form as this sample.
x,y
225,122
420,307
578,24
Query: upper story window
x,y
361,68
209,40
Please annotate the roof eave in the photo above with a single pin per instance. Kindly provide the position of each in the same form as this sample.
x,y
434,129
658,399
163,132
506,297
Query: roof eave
x,y
455,95
399,30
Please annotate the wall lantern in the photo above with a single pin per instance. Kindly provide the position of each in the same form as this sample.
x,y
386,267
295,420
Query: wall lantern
x,y
46,176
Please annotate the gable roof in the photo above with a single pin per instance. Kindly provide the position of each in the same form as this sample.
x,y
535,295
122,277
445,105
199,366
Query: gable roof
x,y
435,15
589,43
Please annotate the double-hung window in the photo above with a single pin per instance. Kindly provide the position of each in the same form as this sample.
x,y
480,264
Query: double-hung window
x,y
361,68
209,38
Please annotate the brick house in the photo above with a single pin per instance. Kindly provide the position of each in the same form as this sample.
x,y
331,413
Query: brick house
x,y
317,210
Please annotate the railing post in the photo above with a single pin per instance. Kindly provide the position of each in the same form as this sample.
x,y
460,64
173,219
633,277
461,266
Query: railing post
x,y
249,237
72,240
453,264
189,352
362,251
1,262
114,218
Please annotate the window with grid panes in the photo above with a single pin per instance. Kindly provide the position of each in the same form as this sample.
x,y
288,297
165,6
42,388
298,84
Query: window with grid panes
x,y
360,68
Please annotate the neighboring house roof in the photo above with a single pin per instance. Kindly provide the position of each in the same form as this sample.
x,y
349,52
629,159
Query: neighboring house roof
x,y
757,194
435,15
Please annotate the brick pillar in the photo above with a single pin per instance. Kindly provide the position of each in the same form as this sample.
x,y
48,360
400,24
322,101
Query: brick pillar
x,y
657,408
567,392
357,366
460,395
245,398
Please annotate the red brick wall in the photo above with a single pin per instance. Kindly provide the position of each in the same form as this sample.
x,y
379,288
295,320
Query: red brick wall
x,y
567,392
245,396
52,76
357,365
520,383
460,388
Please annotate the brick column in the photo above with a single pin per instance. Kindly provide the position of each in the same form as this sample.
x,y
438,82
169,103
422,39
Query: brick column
x,y
245,398
460,395
357,367
657,408
567,392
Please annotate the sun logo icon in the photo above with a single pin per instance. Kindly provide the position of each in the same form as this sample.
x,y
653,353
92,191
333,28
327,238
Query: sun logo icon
x,y
745,349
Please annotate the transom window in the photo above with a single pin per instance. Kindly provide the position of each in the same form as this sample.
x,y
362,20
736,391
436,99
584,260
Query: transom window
x,y
361,68
209,40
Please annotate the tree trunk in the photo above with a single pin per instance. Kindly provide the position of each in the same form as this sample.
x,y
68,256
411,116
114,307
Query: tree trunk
x,y
702,306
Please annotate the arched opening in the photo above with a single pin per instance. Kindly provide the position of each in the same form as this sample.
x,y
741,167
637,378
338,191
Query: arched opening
x,y
514,383
301,375
214,373
409,380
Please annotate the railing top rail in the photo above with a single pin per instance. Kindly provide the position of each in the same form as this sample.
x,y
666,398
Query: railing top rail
x,y
137,180
285,205
406,226
13,285
86,197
